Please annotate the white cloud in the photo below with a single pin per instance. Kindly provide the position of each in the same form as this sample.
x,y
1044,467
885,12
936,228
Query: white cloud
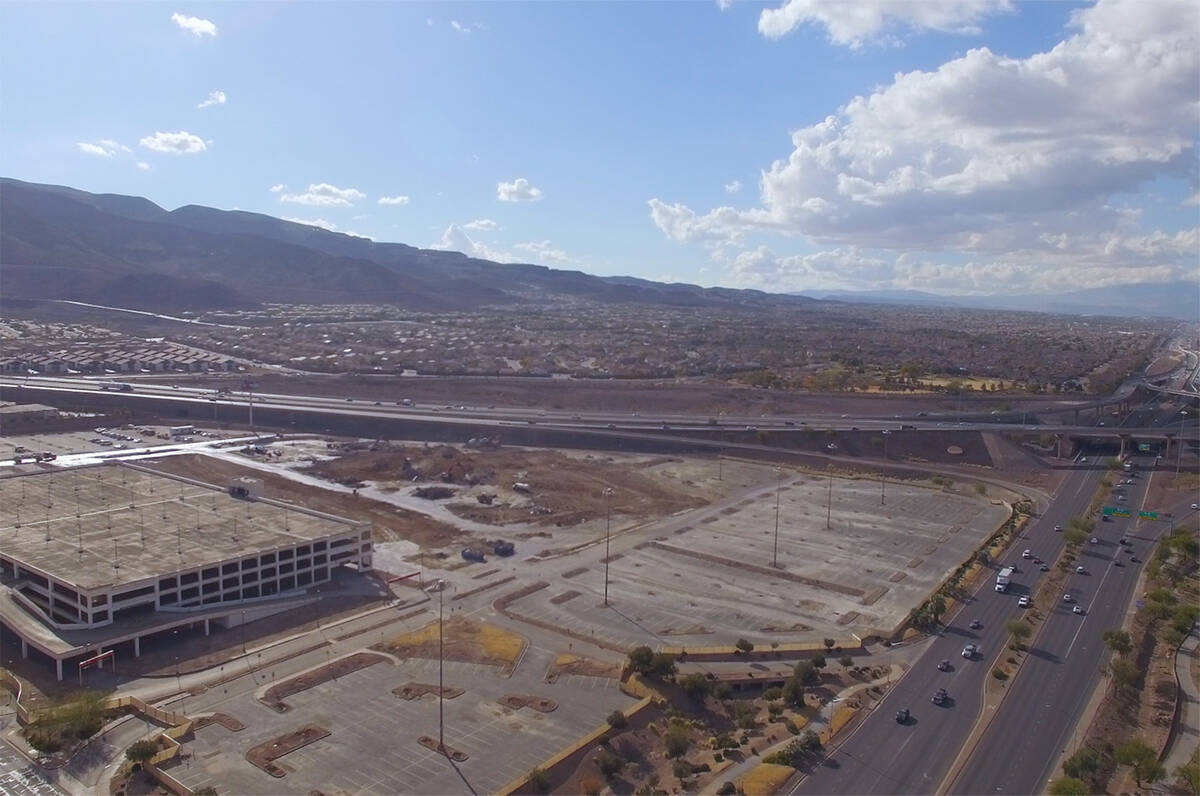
x,y
213,98
277,188
456,239
195,25
95,149
853,23
733,187
326,195
326,225
180,143
393,200
461,28
429,21
993,157
482,225
143,165
724,4
519,190
545,252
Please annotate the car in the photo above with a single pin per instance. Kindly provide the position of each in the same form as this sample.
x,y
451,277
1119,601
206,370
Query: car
x,y
612,425
174,386
1196,507
1076,609
1026,553
1135,559
1024,601
944,665
789,422
1079,570
379,403
1067,598
665,427
940,696
1094,540
969,651
1058,528
975,624
1044,567
902,716
349,400
1083,460
1118,562
1037,560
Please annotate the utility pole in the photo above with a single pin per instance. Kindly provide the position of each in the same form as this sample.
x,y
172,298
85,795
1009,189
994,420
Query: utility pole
x,y
778,483
829,504
608,493
440,587
1179,442
883,473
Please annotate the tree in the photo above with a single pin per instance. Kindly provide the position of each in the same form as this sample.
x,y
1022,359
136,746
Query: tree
x,y
694,685
1190,774
1124,671
141,751
1083,764
609,764
677,740
1019,630
829,643
209,790
818,661
1069,786
1118,641
1074,537
617,720
937,607
1142,759
640,659
662,665
744,645
539,780
807,673
846,661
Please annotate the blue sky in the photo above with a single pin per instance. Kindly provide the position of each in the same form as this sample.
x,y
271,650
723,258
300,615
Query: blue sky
x,y
943,145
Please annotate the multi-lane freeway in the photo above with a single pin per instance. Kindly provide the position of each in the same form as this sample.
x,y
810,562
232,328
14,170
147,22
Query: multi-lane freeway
x,y
12,388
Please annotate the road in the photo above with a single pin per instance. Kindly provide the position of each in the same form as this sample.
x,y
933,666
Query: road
x,y
881,756
492,416
1036,720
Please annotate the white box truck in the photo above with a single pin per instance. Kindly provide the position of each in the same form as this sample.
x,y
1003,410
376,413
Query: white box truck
x,y
1003,578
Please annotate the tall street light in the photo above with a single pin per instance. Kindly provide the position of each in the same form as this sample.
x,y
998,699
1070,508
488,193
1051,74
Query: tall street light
x,y
778,484
608,493
1179,450
439,586
829,504
883,473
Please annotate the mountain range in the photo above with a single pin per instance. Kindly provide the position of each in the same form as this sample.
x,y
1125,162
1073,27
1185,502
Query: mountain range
x,y
62,243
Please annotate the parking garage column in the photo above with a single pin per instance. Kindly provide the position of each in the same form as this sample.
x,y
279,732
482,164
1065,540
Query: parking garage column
x,y
206,627
58,665
137,646
24,648
1124,440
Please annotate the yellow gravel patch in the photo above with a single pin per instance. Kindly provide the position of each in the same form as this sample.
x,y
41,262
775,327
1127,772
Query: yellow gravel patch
x,y
765,779
464,639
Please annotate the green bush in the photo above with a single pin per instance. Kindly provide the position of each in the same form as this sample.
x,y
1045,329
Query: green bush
x,y
999,674
617,720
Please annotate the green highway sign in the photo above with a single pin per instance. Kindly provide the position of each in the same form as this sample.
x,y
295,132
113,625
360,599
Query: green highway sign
x,y
1115,511
1143,447
1147,515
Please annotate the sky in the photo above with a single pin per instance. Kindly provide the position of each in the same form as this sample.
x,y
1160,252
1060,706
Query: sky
x,y
949,146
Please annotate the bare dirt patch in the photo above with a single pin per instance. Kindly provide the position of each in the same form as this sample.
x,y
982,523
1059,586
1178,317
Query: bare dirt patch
x,y
274,696
264,755
577,664
411,691
463,639
518,701
502,486
388,523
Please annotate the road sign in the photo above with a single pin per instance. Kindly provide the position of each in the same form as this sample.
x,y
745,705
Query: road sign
x,y
1147,515
1115,511
1143,447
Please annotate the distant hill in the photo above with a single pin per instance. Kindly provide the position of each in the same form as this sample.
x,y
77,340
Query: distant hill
x,y
1161,300
59,242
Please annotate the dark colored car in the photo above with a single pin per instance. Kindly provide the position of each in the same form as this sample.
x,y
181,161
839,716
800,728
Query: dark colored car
x,y
944,665
902,716
940,696
975,624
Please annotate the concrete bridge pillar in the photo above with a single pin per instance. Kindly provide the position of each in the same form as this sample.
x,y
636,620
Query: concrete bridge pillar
x,y
1058,438
1170,438
1076,420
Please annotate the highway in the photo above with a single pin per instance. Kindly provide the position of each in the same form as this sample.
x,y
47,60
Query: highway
x,y
1037,718
882,756
613,421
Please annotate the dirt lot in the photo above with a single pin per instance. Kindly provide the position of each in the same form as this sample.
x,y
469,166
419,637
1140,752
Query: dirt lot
x,y
503,486
388,523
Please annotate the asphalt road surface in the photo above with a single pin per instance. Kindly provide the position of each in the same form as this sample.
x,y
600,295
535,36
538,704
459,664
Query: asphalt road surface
x,y
1035,722
883,756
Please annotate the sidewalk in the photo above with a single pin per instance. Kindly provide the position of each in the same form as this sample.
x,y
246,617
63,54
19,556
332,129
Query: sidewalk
x,y
1187,735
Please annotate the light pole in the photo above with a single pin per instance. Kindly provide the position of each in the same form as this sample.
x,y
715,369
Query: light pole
x,y
1179,442
778,484
829,504
883,473
608,493
439,586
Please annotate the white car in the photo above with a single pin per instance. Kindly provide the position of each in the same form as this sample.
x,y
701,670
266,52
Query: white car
x,y
1196,507
1068,598
1026,553
1080,570
1024,601
1077,610
1094,540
